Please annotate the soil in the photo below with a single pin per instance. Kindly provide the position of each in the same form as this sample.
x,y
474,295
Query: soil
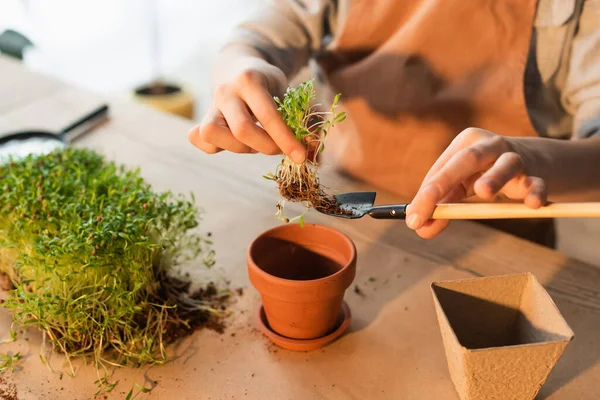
x,y
157,89
311,192
186,318
8,390
358,291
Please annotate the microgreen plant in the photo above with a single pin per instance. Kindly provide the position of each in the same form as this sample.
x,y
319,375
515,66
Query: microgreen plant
x,y
91,251
310,125
9,362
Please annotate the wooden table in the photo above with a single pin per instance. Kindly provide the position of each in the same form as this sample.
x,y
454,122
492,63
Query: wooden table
x,y
393,350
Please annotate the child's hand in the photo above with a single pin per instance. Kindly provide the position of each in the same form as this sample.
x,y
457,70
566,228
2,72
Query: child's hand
x,y
245,98
478,163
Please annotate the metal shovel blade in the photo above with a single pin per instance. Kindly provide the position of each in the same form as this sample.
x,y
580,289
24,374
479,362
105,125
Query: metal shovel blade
x,y
356,203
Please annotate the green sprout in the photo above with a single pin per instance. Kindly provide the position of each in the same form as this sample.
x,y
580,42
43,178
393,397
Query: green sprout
x,y
299,182
141,389
8,362
92,253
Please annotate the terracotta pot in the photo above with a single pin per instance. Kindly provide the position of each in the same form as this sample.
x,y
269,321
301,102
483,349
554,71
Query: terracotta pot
x,y
302,274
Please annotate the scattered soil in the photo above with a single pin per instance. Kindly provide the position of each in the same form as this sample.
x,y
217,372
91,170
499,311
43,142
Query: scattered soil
x,y
310,191
186,317
358,291
272,348
8,390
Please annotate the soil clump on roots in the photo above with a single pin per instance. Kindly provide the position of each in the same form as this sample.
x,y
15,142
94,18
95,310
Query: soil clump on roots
x,y
306,190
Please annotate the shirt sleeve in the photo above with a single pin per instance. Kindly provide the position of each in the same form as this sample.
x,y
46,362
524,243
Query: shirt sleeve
x,y
581,95
287,32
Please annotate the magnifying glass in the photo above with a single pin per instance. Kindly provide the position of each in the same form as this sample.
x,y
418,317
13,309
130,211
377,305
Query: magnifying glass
x,y
21,144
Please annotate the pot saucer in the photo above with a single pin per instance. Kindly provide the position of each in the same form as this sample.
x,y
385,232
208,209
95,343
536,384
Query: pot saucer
x,y
305,344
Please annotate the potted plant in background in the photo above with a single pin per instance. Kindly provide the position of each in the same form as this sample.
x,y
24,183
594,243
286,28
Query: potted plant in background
x,y
161,94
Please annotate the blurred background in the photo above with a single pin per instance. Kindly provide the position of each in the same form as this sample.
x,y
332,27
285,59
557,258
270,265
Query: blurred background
x,y
114,46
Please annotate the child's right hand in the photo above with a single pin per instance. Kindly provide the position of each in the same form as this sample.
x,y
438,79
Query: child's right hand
x,y
242,99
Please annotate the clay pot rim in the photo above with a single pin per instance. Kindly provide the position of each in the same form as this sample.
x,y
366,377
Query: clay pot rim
x,y
257,270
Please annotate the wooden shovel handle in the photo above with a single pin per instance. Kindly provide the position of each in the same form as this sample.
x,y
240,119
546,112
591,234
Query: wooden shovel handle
x,y
510,211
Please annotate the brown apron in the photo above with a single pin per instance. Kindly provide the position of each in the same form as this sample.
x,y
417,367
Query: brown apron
x,y
415,73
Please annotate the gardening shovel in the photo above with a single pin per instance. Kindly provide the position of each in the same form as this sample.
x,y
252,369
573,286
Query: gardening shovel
x,y
358,204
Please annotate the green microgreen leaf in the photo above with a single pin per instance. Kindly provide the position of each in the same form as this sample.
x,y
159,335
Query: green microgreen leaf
x,y
299,219
143,389
8,362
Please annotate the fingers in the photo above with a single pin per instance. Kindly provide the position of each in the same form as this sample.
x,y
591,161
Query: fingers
x,y
462,166
507,167
536,192
432,228
262,106
507,175
213,135
195,139
232,122
243,134
466,138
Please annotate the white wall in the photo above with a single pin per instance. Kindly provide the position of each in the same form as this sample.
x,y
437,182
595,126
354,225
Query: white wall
x,y
105,45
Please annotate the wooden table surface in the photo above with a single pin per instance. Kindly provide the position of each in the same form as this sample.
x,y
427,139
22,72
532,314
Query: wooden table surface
x,y
393,349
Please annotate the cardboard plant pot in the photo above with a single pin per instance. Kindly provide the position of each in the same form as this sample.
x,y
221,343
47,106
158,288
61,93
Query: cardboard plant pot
x,y
166,97
502,335
302,274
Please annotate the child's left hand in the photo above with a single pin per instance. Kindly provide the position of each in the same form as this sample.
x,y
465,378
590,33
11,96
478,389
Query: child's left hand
x,y
479,163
